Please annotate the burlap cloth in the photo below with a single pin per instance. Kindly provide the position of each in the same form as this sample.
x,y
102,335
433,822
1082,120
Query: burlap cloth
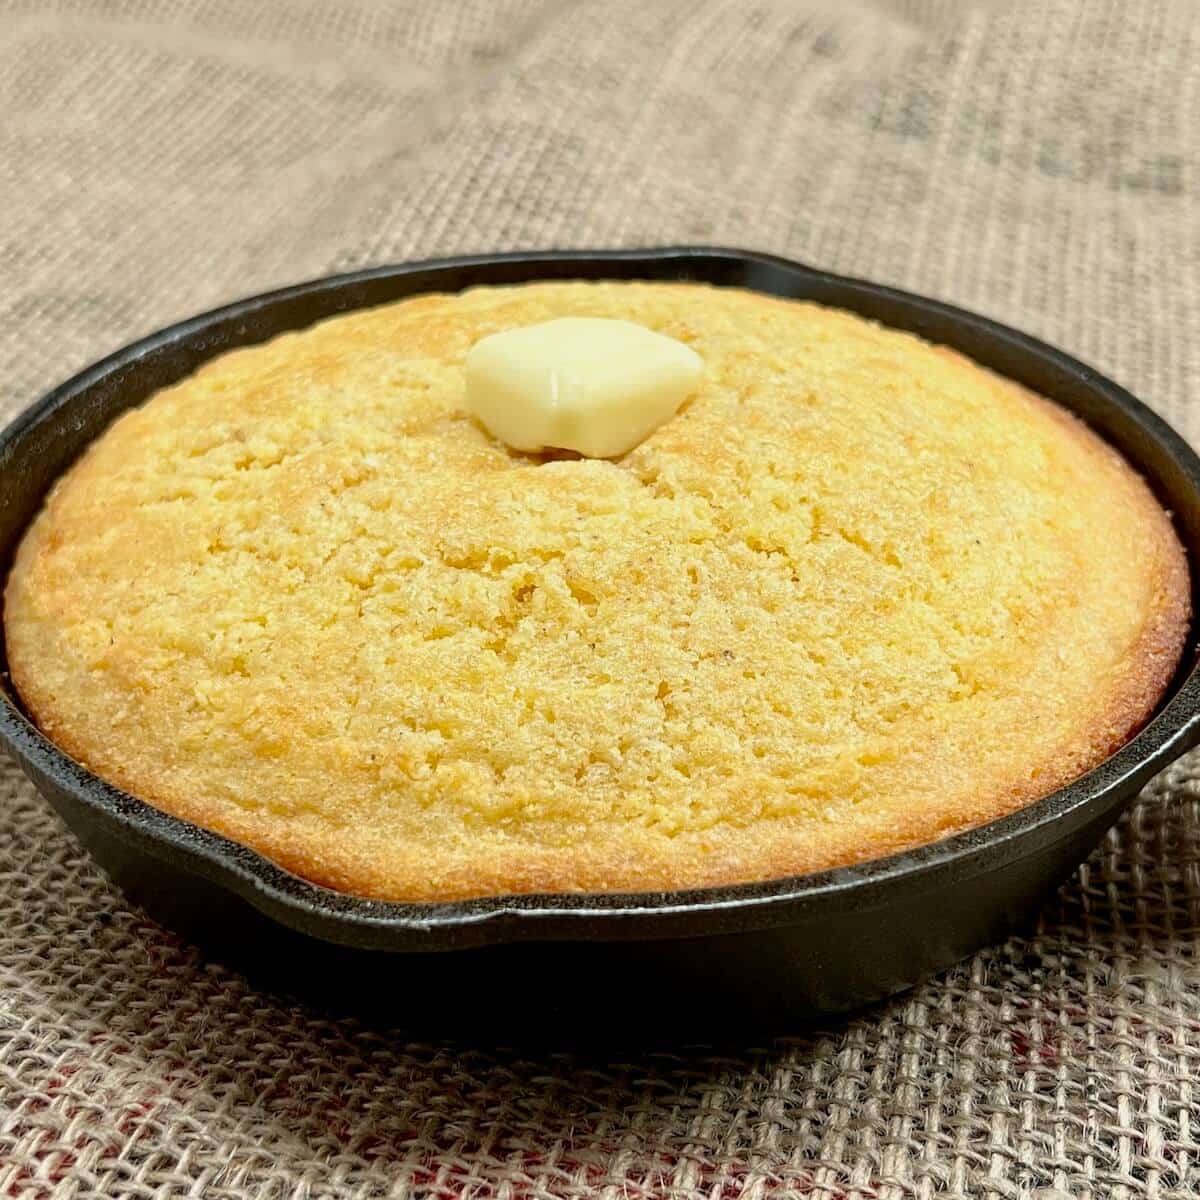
x,y
1037,162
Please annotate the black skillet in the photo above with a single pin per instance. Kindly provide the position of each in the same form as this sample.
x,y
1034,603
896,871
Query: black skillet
x,y
703,962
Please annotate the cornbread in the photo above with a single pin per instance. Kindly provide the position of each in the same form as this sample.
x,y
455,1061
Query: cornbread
x,y
857,594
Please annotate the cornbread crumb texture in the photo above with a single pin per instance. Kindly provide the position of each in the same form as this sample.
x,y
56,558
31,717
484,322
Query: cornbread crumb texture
x,y
857,594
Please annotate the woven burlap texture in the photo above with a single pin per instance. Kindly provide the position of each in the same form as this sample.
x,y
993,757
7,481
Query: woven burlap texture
x,y
1037,162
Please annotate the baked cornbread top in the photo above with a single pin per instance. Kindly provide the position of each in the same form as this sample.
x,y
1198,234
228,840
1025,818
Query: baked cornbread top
x,y
857,594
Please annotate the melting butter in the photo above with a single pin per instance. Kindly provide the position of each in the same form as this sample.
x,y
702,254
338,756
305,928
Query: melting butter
x,y
588,384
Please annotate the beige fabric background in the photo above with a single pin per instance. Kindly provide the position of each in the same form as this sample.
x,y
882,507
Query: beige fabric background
x,y
1039,162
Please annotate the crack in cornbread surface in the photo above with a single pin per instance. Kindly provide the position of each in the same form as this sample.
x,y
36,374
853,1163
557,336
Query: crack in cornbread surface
x,y
857,595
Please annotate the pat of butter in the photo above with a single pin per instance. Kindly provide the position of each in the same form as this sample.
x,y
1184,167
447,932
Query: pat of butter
x,y
588,384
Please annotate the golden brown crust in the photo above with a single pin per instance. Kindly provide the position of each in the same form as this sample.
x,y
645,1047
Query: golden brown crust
x,y
858,596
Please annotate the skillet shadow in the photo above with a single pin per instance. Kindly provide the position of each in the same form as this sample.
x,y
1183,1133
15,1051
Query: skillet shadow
x,y
585,996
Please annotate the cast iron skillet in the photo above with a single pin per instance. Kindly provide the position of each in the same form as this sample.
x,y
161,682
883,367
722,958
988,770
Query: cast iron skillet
x,y
705,961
